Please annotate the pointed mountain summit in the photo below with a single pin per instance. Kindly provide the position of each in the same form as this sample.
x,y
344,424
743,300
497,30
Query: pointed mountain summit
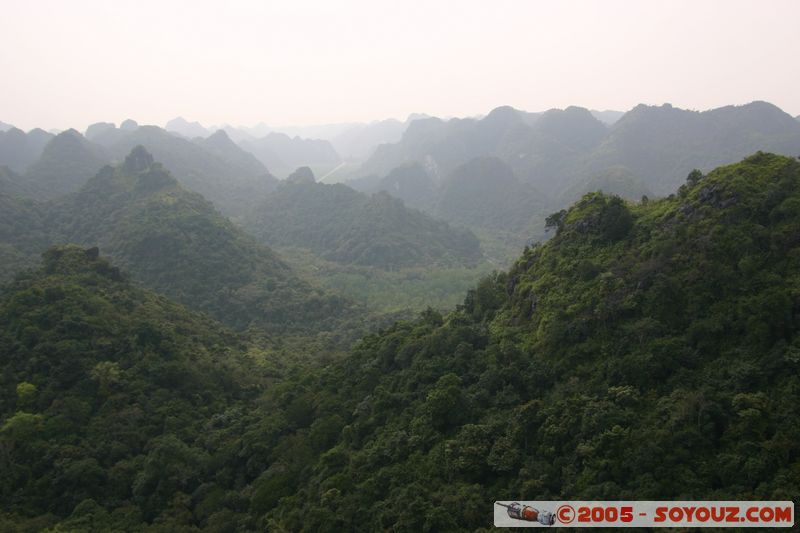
x,y
219,139
138,160
18,150
219,170
221,145
301,175
183,127
66,163
174,241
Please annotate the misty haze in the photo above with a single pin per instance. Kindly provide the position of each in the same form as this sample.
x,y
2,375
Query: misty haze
x,y
396,266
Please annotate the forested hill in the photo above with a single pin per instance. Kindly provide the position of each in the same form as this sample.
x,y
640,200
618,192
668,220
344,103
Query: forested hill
x,y
216,168
349,227
111,397
67,161
174,241
645,352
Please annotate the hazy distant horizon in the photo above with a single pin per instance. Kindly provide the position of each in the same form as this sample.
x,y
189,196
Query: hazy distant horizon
x,y
68,65
280,127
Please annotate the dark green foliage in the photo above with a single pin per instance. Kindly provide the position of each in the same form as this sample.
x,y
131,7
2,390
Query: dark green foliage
x,y
607,218
349,227
556,220
113,400
646,351
174,241
215,167
23,234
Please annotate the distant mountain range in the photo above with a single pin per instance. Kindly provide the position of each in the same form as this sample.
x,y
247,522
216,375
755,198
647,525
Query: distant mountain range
x,y
282,154
555,149
187,129
350,141
18,149
451,169
647,348
66,162
48,166
608,116
562,154
170,239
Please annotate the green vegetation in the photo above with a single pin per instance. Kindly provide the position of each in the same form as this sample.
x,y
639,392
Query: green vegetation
x,y
484,193
174,241
215,167
351,228
406,290
618,181
66,163
113,400
22,233
646,351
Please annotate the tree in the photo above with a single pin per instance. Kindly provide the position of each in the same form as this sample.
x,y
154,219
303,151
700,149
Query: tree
x,y
556,220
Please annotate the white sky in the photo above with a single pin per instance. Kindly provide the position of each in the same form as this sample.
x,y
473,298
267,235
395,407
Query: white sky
x,y
70,63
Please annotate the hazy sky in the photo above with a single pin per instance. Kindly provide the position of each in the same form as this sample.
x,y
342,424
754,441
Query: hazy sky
x,y
70,63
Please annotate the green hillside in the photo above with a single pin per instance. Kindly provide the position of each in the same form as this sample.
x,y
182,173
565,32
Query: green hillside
x,y
66,163
174,241
23,235
349,227
646,352
215,167
111,397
